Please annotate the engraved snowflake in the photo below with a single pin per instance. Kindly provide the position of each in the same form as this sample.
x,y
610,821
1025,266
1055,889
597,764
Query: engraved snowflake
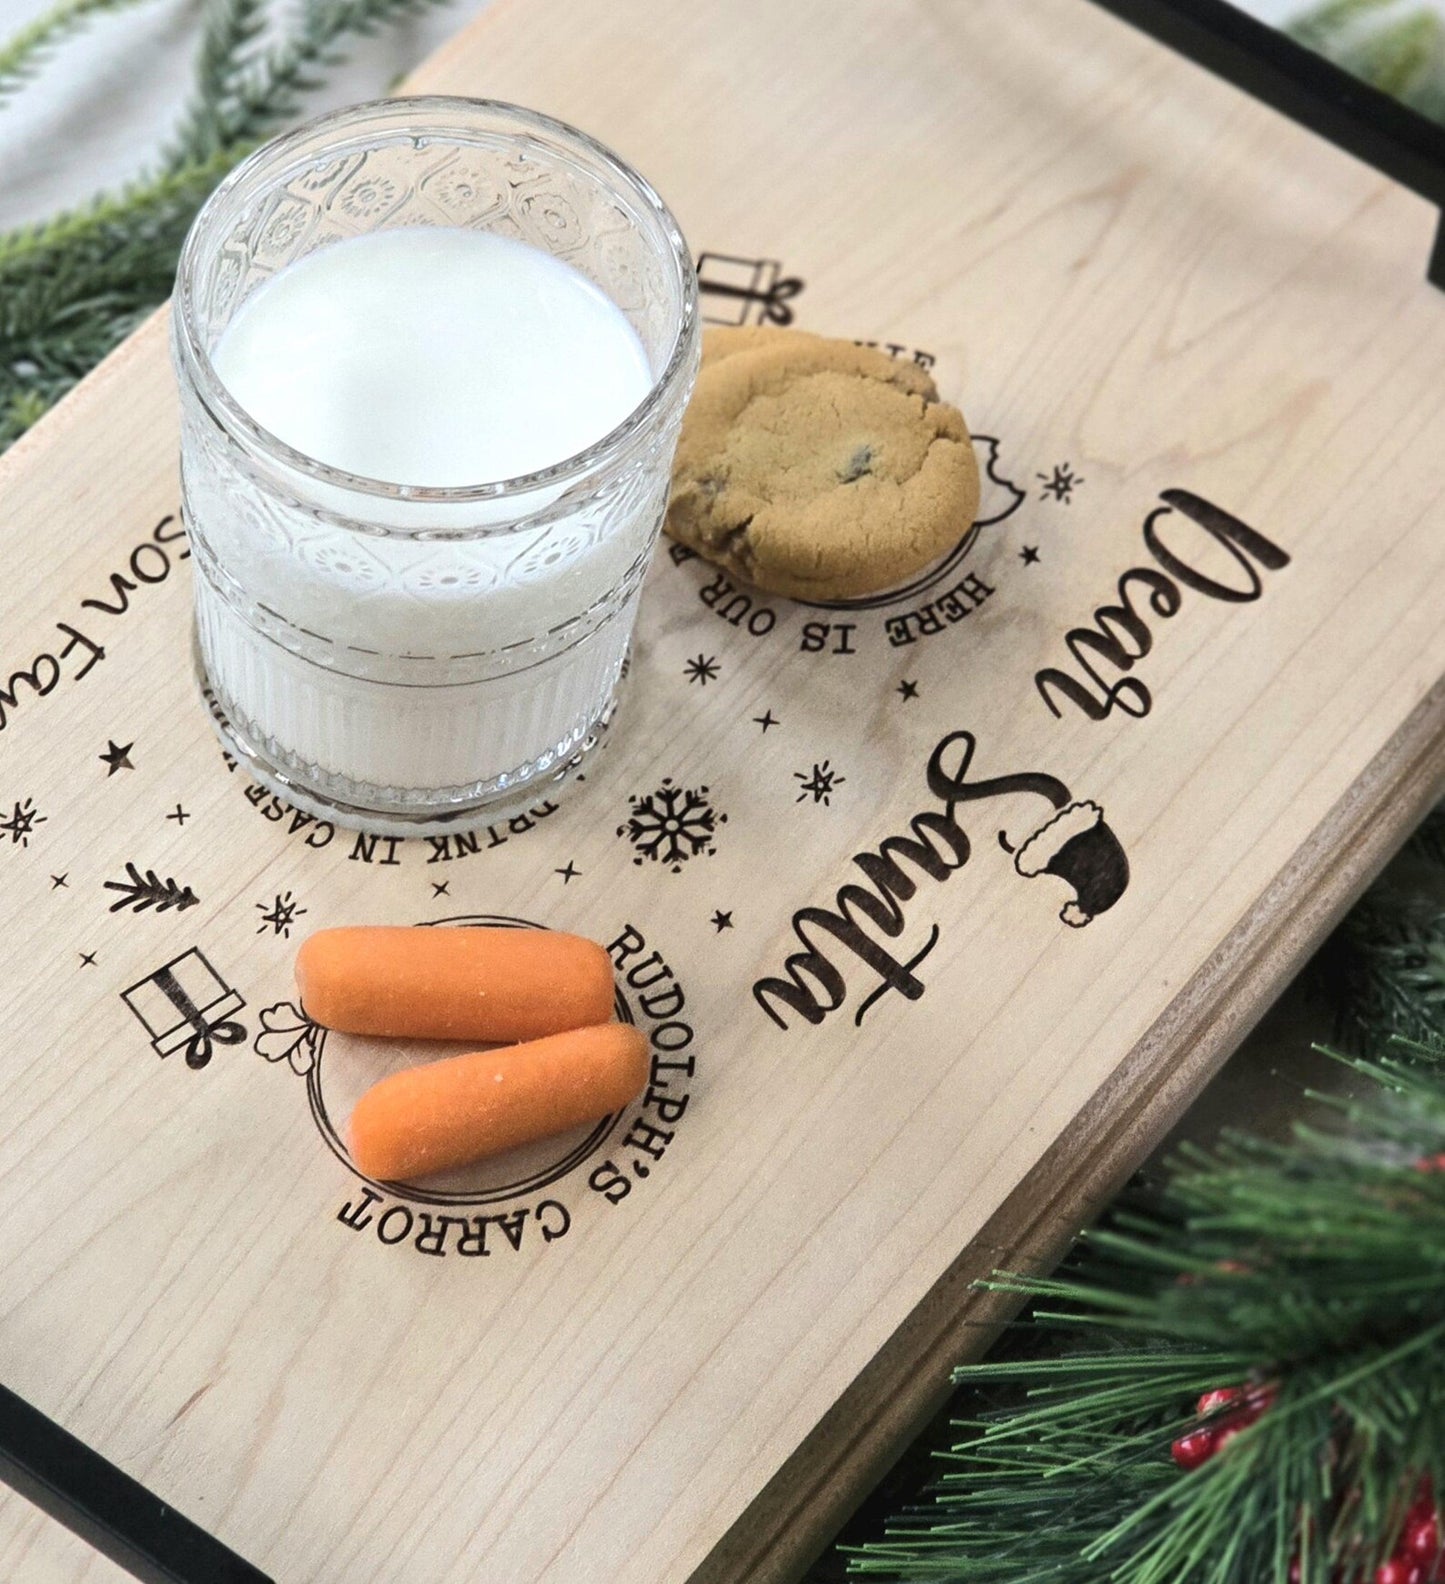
x,y
671,825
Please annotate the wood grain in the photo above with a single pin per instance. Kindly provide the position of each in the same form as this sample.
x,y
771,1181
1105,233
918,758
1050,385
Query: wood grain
x,y
1122,269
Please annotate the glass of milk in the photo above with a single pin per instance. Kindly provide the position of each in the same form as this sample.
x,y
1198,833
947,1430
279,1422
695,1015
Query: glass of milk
x,y
433,355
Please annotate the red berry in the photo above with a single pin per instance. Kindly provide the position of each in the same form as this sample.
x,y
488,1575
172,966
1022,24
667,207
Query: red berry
x,y
1189,1451
1224,1436
1430,1163
1221,1398
1396,1571
1422,1538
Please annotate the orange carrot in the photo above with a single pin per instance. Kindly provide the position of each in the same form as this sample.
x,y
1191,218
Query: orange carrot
x,y
466,983
448,1113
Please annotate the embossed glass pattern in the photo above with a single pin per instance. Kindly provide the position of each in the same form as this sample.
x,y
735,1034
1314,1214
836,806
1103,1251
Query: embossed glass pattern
x,y
349,631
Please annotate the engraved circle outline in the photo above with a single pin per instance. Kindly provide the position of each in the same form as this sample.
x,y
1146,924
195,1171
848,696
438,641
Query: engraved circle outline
x,y
543,1178
927,579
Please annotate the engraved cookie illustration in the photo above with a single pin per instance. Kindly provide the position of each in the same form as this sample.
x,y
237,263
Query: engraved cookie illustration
x,y
818,469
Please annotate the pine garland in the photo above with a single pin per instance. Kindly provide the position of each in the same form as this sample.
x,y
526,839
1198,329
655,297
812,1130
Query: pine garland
x,y
74,286
1314,1271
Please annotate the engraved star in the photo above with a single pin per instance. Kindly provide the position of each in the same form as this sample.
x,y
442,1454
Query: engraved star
x,y
722,921
1029,554
87,959
767,719
907,690
56,881
180,816
440,888
703,670
116,757
569,874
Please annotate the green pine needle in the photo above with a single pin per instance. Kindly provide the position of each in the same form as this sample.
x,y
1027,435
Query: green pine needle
x,y
1317,1266
74,287
1388,962
229,37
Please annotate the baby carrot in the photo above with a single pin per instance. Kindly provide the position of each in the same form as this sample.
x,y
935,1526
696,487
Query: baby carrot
x,y
449,1113
468,983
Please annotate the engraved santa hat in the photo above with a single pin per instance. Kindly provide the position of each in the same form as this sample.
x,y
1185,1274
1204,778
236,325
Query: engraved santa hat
x,y
1078,847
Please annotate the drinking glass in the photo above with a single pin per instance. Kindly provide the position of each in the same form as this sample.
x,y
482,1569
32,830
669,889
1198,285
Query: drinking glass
x,y
401,658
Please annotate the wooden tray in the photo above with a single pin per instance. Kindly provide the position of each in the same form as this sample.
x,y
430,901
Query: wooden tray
x,y
1209,375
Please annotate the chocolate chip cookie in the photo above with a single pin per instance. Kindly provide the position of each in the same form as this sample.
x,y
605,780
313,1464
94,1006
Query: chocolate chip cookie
x,y
818,469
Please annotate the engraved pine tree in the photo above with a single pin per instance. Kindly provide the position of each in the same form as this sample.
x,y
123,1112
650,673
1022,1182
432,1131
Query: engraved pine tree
x,y
671,825
139,892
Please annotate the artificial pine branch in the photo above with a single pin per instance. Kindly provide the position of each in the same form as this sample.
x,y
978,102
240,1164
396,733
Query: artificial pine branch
x,y
1395,958
230,32
74,287
247,90
1386,964
1315,1268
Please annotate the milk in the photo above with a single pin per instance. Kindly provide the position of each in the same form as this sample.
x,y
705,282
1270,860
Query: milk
x,y
433,356
382,666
